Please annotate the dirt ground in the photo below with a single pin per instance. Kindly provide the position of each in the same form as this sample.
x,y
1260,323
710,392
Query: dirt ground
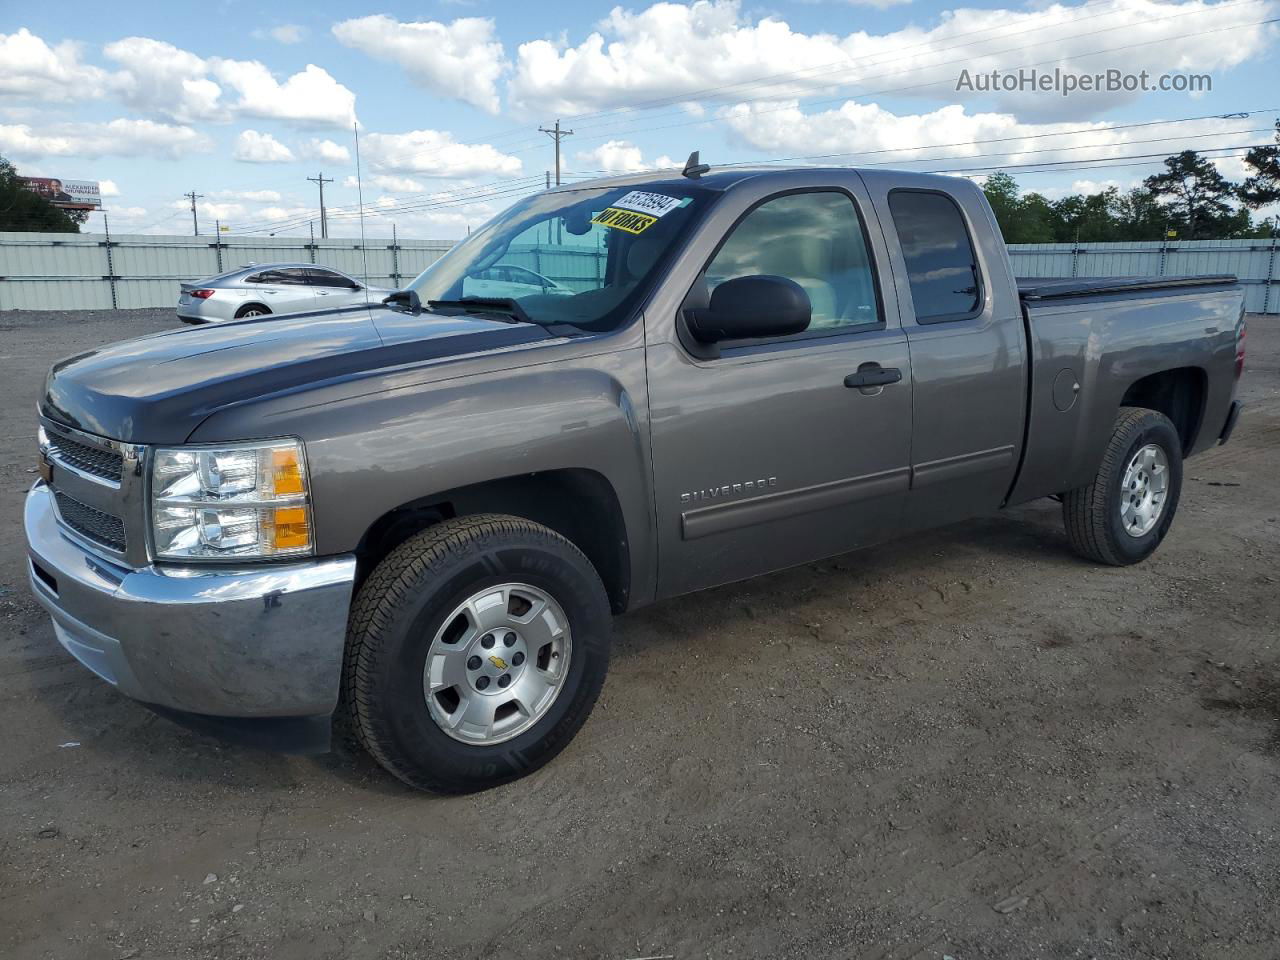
x,y
967,744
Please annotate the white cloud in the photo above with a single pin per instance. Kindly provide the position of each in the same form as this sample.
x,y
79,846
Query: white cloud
x,y
616,156
121,137
1083,187
674,50
29,67
462,59
434,153
253,196
212,209
157,77
108,188
326,150
310,97
948,138
287,33
254,147
386,181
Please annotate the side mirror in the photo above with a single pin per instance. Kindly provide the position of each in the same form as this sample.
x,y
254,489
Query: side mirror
x,y
404,300
748,307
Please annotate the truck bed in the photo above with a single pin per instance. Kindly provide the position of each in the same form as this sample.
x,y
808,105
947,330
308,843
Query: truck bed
x,y
1092,338
1055,288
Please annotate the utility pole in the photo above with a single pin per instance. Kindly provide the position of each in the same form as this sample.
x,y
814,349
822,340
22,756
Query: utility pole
x,y
556,134
195,224
321,180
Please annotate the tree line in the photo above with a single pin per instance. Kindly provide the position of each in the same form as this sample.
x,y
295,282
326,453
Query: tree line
x,y
1188,200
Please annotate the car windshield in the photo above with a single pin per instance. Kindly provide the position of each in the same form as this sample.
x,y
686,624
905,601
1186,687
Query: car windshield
x,y
581,257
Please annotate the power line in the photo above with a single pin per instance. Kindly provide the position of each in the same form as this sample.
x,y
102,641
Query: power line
x,y
557,134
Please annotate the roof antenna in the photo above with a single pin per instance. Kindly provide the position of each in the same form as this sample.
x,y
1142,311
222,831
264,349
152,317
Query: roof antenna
x,y
693,169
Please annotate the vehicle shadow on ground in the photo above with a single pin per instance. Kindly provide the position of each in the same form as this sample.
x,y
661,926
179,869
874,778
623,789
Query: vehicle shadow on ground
x,y
1030,534
133,735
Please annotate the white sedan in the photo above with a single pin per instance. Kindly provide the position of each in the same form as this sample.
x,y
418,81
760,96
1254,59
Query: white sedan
x,y
262,289
509,280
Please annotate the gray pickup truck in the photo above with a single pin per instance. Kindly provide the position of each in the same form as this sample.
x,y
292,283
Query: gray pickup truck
x,y
417,517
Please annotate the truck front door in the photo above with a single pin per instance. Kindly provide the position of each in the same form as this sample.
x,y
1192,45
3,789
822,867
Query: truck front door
x,y
771,454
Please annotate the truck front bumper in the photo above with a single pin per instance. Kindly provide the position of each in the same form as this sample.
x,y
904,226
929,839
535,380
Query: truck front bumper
x,y
261,641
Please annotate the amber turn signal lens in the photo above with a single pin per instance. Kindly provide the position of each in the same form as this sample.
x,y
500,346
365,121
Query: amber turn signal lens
x,y
286,472
289,528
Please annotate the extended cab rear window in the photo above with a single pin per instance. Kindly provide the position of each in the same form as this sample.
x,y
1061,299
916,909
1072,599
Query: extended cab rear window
x,y
942,267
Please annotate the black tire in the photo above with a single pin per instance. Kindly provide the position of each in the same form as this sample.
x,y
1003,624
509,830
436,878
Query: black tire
x,y
1092,513
262,311
402,605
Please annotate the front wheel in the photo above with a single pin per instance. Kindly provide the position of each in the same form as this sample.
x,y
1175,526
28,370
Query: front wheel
x,y
475,651
1123,515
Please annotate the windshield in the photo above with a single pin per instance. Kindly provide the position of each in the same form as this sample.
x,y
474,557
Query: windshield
x,y
580,257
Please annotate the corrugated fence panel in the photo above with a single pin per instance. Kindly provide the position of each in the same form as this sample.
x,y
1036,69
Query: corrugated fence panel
x,y
1255,262
41,271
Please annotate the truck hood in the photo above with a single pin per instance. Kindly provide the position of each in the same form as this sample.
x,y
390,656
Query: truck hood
x,y
159,388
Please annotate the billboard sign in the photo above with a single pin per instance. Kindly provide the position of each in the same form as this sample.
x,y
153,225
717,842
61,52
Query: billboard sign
x,y
69,194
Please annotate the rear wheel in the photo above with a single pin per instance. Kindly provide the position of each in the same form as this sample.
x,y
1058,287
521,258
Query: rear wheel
x,y
1123,515
252,310
475,652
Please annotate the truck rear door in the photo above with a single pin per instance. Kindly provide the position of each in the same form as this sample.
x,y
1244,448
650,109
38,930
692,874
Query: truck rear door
x,y
962,318
770,453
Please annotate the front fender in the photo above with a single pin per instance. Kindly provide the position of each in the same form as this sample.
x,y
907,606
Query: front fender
x,y
373,452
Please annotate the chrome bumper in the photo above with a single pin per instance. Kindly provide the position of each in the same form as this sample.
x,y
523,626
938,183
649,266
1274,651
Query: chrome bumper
x,y
262,641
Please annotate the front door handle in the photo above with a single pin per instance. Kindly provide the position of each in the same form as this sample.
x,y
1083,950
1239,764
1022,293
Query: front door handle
x,y
873,375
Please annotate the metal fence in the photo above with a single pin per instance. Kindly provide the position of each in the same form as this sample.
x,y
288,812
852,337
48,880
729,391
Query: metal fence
x,y
85,271
1255,262
45,271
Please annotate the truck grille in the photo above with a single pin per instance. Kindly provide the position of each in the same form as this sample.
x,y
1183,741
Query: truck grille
x,y
94,524
106,464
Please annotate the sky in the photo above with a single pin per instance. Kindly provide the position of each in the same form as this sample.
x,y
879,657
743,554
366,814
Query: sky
x,y
242,102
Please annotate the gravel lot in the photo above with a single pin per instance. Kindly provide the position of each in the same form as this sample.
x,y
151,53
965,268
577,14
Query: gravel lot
x,y
966,744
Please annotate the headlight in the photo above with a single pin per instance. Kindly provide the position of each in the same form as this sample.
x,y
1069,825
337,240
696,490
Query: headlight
x,y
242,500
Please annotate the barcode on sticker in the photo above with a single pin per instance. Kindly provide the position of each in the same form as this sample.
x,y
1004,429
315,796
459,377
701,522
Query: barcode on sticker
x,y
654,204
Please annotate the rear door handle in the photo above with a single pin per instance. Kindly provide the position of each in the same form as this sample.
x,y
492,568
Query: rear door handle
x,y
873,375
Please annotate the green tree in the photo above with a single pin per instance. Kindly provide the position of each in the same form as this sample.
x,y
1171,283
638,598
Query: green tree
x,y
1021,219
22,210
1197,193
1262,188
1139,216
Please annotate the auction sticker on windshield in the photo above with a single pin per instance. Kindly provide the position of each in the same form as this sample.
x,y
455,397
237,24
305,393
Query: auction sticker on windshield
x,y
654,204
626,220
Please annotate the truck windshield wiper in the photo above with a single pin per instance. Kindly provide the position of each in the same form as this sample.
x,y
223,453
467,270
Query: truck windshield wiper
x,y
503,305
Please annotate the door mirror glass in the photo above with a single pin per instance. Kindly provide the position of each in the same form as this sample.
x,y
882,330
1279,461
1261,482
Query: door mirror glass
x,y
749,307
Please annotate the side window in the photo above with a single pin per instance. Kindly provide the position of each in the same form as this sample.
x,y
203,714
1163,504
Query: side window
x,y
327,278
941,265
290,275
815,239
